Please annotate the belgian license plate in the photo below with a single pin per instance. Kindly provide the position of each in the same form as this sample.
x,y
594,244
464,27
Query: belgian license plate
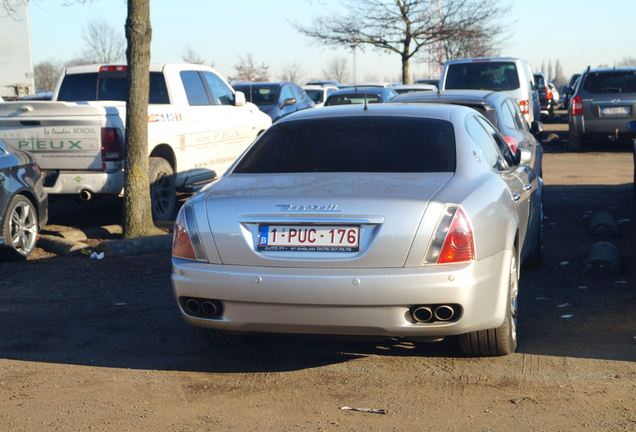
x,y
309,238
616,111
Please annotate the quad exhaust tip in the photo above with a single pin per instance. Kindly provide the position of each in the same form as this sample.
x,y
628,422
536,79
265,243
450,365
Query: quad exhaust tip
x,y
433,313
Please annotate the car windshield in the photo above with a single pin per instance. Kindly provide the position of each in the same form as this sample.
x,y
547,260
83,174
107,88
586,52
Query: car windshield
x,y
353,144
495,76
315,95
260,94
108,87
611,82
353,98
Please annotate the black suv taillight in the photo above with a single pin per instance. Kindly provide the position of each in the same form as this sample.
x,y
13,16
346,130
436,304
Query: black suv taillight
x,y
112,145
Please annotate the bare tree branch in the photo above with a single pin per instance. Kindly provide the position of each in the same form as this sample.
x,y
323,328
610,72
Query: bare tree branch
x,y
103,43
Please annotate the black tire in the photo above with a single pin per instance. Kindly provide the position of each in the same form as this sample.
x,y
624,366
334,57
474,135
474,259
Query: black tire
x,y
220,337
503,339
163,191
575,143
535,259
19,229
634,157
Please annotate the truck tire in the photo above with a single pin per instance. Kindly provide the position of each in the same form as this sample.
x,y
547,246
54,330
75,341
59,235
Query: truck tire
x,y
503,339
163,192
20,222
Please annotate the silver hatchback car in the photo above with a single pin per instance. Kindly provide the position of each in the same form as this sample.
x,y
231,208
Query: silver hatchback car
x,y
387,220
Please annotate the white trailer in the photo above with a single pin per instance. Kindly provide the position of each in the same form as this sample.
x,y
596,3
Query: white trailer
x,y
16,63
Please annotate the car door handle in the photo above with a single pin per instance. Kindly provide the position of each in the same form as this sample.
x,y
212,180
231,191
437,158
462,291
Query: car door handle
x,y
527,187
516,196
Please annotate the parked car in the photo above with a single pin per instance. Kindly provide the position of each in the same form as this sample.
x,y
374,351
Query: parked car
x,y
569,90
333,83
366,84
434,82
545,95
197,126
394,221
602,105
409,88
510,75
319,94
23,203
358,95
556,97
276,99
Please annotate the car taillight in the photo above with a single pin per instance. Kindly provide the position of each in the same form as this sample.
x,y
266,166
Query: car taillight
x,y
112,145
113,68
548,93
577,105
512,143
453,240
523,105
186,243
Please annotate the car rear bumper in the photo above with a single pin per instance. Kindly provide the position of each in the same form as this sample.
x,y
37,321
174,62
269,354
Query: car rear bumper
x,y
370,302
96,182
601,128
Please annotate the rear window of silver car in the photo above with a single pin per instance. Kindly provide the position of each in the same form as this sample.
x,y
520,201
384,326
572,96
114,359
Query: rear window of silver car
x,y
353,144
611,82
497,76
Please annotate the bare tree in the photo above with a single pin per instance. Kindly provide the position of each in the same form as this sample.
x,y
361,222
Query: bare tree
x,y
476,41
336,69
103,43
626,61
191,56
559,78
46,74
247,69
292,72
403,27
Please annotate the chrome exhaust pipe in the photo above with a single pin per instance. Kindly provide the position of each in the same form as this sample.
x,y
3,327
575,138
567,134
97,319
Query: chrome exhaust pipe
x,y
86,195
192,306
444,313
422,314
210,308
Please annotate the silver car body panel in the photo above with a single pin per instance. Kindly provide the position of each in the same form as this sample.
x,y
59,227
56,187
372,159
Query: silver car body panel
x,y
367,292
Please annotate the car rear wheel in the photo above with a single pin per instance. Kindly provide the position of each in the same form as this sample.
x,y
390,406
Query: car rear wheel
x,y
19,228
162,189
503,339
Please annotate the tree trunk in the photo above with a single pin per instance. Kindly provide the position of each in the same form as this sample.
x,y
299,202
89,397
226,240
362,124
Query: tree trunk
x,y
137,210
406,79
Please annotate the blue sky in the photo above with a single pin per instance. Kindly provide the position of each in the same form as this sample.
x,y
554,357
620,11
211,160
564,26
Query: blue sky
x,y
577,32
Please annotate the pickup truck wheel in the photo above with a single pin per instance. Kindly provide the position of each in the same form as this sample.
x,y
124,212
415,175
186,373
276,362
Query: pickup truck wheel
x,y
162,189
503,339
19,229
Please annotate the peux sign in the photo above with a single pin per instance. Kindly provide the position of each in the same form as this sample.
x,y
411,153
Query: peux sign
x,y
43,144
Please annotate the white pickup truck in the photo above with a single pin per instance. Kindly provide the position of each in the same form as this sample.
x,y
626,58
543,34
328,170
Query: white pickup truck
x,y
197,126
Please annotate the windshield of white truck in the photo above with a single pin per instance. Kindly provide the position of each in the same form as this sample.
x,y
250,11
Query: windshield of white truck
x,y
108,87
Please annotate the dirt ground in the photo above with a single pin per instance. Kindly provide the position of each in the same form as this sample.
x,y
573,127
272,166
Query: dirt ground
x,y
99,345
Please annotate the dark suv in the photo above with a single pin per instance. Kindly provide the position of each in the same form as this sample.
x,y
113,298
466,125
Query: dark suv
x,y
603,102
545,95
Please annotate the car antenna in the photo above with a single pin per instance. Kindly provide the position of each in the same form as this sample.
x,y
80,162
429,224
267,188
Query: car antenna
x,y
366,105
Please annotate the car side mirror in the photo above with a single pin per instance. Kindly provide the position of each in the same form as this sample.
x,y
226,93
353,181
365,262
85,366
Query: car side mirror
x,y
536,128
523,156
239,98
288,102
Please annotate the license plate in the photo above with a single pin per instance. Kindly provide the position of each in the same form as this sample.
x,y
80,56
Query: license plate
x,y
615,111
309,238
